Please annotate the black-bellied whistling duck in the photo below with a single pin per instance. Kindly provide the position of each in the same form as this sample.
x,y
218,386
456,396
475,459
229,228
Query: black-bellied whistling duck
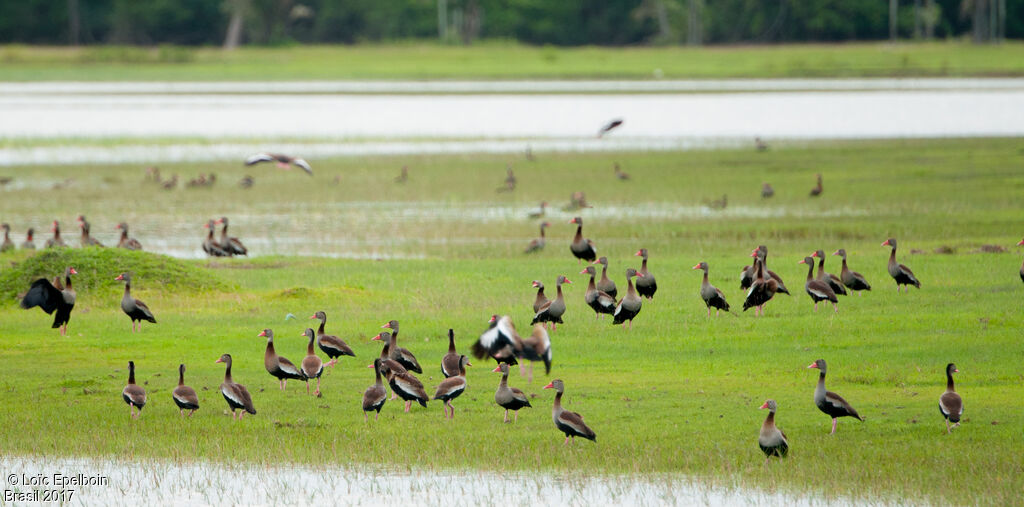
x,y
451,387
762,290
536,347
950,403
246,182
397,353
312,365
29,244
851,279
133,394
566,421
388,366
829,402
125,241
539,213
577,200
450,361
609,126
1021,243
630,304
605,284
582,249
333,346
902,274
599,301
230,244
646,286
762,252
772,440
184,396
541,299
817,289
509,398
135,309
406,386
552,311
48,297
816,191
709,293
500,341
538,243
719,203
7,244
235,394
510,181
210,245
748,275
767,191
87,240
283,161
760,145
278,366
375,395
622,176
56,241
833,281
404,176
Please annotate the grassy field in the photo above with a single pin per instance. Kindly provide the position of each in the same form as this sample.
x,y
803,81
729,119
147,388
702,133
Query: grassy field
x,y
509,61
679,393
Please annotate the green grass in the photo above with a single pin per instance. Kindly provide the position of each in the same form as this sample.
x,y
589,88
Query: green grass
x,y
509,61
679,393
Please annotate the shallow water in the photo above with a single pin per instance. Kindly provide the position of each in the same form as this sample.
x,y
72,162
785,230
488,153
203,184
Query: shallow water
x,y
165,483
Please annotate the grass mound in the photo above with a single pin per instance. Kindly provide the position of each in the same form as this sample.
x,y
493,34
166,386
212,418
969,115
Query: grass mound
x,y
97,268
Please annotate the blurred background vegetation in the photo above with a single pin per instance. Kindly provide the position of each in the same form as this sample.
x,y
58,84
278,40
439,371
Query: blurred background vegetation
x,y
537,22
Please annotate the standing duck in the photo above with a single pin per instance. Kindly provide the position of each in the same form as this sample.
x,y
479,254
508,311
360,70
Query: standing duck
x,y
582,249
500,341
645,283
762,253
767,191
7,244
772,440
333,346
135,309
87,240
229,244
451,387
278,366
902,274
55,241
622,176
236,395
450,361
629,305
950,403
540,212
709,293
817,289
375,395
509,398
599,301
283,161
851,279
403,176
403,356
29,244
184,396
312,365
833,281
211,246
762,290
134,395
816,191
605,284
510,181
541,299
566,421
552,311
407,387
829,402
537,244
48,297
536,347
125,241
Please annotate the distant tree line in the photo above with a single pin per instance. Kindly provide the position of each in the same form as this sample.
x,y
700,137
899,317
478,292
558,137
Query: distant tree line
x,y
557,22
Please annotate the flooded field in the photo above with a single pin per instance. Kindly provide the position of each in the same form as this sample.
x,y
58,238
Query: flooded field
x,y
166,483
